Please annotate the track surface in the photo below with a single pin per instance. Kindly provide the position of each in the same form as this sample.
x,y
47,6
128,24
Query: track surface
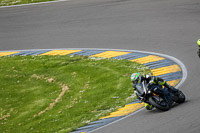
x,y
170,27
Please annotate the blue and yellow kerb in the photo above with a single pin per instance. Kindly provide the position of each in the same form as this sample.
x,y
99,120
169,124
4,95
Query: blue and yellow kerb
x,y
160,66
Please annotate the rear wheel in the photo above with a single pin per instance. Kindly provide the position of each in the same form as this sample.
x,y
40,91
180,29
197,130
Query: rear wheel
x,y
159,103
181,97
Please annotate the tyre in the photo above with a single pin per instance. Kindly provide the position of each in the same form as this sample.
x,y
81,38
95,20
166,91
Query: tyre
x,y
181,97
162,105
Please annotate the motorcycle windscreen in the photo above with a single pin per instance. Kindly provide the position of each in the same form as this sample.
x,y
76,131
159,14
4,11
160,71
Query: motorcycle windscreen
x,y
140,89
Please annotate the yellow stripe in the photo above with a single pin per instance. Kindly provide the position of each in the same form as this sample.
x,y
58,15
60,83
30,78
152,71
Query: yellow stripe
x,y
125,110
7,53
110,54
147,59
174,82
60,52
165,70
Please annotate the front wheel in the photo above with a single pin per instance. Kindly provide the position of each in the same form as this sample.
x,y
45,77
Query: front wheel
x,y
159,104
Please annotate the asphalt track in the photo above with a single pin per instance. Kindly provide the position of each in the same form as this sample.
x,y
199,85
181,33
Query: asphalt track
x,y
170,27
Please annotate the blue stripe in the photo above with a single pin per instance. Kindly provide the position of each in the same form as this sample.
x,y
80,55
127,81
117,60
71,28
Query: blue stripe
x,y
171,76
24,53
93,125
131,56
160,63
88,52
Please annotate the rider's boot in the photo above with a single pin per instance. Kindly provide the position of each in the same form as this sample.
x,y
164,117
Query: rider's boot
x,y
148,106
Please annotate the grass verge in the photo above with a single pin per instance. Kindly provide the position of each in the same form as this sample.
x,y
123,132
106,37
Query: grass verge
x,y
61,93
17,2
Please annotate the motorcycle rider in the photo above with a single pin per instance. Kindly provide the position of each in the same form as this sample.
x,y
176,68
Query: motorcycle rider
x,y
138,78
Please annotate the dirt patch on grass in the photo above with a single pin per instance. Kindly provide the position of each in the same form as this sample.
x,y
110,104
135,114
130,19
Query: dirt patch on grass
x,y
4,117
64,87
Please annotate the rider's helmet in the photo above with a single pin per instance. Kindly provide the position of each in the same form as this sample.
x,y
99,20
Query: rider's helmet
x,y
198,42
135,77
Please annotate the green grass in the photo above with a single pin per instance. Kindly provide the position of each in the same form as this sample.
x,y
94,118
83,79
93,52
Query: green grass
x,y
34,96
17,2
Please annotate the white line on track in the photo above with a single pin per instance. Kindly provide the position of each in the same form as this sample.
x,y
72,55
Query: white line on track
x,y
116,120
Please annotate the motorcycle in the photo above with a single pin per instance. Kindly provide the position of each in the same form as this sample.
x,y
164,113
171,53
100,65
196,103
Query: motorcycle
x,y
158,96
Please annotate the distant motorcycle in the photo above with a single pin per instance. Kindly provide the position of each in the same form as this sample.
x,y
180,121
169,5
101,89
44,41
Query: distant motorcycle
x,y
158,96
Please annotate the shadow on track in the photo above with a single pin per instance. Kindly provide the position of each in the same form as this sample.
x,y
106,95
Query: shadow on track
x,y
154,110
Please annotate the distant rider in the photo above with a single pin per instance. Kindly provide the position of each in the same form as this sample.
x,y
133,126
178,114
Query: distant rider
x,y
137,78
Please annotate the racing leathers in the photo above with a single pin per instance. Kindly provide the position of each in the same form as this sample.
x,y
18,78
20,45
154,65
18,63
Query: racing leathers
x,y
157,80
